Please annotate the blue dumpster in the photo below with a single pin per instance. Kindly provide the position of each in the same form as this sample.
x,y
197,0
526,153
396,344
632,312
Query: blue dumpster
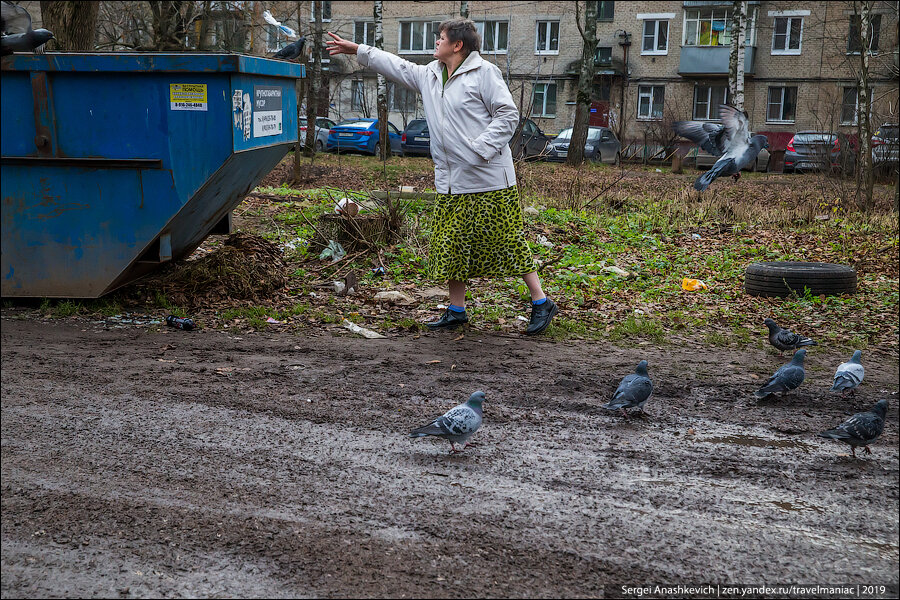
x,y
113,164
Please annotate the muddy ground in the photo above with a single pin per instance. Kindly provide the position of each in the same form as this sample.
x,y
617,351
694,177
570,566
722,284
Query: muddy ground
x,y
142,463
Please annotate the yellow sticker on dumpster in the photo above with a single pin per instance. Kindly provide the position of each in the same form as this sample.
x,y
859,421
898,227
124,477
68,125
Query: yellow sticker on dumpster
x,y
187,96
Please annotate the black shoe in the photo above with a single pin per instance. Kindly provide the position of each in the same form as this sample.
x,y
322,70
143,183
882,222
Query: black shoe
x,y
541,315
449,320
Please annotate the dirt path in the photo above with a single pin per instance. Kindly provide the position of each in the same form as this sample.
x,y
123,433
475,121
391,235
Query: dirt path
x,y
138,463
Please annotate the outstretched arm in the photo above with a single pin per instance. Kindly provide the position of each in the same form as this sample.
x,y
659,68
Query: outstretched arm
x,y
391,66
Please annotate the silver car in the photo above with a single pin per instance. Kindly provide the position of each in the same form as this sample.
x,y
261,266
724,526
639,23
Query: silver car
x,y
886,145
705,161
602,146
322,127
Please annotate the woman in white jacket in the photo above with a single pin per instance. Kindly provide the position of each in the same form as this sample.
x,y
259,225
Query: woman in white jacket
x,y
477,223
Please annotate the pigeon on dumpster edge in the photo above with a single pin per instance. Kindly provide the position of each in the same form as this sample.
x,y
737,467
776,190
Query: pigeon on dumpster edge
x,y
293,50
861,429
730,141
17,34
849,375
633,391
786,378
456,425
783,339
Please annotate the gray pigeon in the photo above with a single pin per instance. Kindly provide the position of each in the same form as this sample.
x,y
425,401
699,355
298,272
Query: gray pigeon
x,y
293,50
456,425
849,375
17,34
783,339
633,391
730,141
786,378
861,429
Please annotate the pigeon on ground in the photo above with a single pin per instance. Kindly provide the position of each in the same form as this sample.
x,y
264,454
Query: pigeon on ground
x,y
786,378
730,141
861,429
783,339
17,34
849,375
633,391
292,51
456,425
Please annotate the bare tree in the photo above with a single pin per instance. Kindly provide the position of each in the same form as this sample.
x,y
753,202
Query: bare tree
x,y
383,140
585,81
74,25
866,172
738,49
315,82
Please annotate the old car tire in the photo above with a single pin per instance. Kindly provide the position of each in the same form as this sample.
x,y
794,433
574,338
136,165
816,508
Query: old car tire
x,y
784,278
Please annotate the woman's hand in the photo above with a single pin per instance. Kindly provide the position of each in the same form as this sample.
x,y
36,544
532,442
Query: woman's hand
x,y
338,45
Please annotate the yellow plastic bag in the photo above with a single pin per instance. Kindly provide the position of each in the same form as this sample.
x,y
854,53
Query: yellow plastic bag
x,y
692,285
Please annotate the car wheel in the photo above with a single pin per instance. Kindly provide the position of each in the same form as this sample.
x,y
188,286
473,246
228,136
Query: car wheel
x,y
319,146
784,278
377,149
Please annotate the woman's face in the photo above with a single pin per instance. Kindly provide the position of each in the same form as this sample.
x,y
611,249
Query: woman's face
x,y
444,48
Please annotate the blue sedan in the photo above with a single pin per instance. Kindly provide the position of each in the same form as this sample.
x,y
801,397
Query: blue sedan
x,y
361,135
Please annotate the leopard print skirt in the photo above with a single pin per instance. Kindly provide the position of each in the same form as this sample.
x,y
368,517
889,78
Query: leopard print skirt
x,y
478,235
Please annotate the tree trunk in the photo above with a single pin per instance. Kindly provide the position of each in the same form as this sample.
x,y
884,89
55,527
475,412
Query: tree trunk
x,y
74,25
315,83
202,41
383,140
585,83
866,172
738,50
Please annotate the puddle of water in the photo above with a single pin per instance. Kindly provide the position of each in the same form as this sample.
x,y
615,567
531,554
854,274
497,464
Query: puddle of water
x,y
749,440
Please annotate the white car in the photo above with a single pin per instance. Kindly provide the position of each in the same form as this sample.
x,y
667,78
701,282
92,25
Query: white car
x,y
322,127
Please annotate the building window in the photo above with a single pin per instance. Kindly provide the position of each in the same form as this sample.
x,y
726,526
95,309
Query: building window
x,y
546,39
707,99
854,44
603,58
650,101
418,36
364,33
326,11
711,27
605,10
543,100
782,104
494,36
656,37
358,95
850,105
400,98
275,39
787,35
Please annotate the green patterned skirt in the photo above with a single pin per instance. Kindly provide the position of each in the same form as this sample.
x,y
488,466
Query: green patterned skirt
x,y
478,235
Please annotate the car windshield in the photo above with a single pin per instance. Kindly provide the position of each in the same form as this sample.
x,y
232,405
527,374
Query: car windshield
x,y
566,134
889,131
814,138
417,126
356,124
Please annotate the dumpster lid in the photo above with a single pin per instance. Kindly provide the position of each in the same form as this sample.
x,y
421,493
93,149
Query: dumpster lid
x,y
157,62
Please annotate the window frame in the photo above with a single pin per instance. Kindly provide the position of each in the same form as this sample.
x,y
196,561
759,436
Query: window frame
x,y
711,112
368,27
412,100
280,38
713,17
481,26
784,91
546,87
358,88
787,50
312,9
656,51
612,11
426,38
652,96
549,31
855,104
876,35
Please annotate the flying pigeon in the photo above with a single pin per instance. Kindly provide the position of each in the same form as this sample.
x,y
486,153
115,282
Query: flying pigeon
x,y
17,34
633,391
292,51
456,425
786,378
783,339
730,141
861,429
849,375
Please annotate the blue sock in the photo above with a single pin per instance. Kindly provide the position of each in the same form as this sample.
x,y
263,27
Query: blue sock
x,y
457,309
539,302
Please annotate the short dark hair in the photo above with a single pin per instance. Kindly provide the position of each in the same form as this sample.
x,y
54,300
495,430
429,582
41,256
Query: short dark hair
x,y
462,30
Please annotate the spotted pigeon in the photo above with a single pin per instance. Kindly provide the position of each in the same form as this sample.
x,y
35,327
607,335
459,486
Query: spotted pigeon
x,y
861,429
456,425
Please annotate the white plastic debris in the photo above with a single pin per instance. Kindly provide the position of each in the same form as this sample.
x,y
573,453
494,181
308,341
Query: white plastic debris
x,y
531,211
393,297
616,270
347,206
366,333
338,286
544,242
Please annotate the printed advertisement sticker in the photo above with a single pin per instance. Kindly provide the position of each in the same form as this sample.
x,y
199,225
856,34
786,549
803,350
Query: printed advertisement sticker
x,y
187,96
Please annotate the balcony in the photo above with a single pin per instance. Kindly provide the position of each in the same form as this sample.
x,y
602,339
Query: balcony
x,y
696,61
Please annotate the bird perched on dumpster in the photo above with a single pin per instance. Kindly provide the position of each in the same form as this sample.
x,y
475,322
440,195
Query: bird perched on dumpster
x,y
16,34
849,375
633,391
786,378
783,339
293,50
861,429
729,140
456,425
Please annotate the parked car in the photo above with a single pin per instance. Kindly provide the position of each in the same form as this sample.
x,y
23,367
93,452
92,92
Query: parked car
x,y
705,161
886,145
416,140
819,151
322,127
602,146
529,142
361,135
